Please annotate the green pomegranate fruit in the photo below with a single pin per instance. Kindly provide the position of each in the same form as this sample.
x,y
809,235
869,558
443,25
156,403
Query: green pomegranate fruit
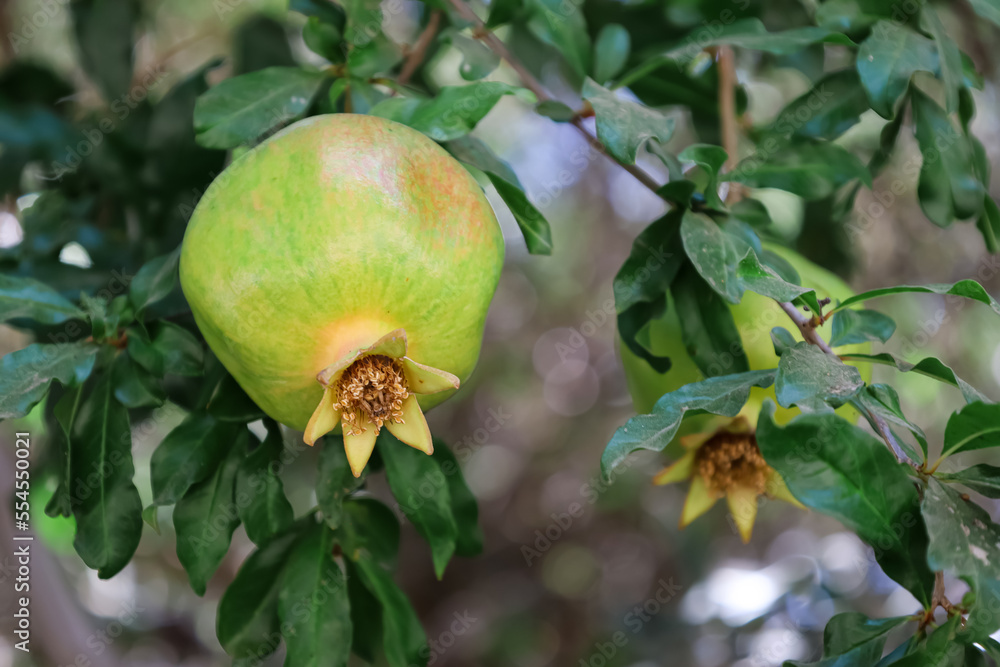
x,y
341,271
755,316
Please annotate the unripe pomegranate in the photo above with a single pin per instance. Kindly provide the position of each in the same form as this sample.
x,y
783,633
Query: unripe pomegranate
x,y
755,316
341,271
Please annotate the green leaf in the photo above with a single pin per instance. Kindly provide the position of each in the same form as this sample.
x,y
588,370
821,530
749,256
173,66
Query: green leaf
x,y
370,529
782,339
324,39
533,225
611,51
965,542
849,475
929,366
826,111
473,152
941,649
241,109
989,224
887,143
887,60
714,252
260,496
247,618
26,375
476,155
968,289
988,9
983,479
30,299
380,54
366,616
882,400
182,353
449,115
134,387
853,640
624,126
402,637
151,517
708,330
189,454
555,110
949,57
847,631
711,159
503,11
104,31
810,170
642,282
651,266
851,16
563,27
230,403
478,61
724,395
154,281
949,187
764,280
860,326
814,381
728,261
313,606
744,34
421,490
106,506
975,426
206,516
65,412
463,504
335,480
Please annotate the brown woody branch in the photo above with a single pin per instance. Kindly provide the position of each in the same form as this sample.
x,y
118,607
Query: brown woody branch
x,y
483,33
419,50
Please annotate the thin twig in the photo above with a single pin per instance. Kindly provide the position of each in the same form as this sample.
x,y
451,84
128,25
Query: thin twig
x,y
729,123
535,86
419,50
806,327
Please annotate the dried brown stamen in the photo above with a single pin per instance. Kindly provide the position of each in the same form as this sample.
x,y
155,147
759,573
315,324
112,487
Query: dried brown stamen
x,y
729,460
372,389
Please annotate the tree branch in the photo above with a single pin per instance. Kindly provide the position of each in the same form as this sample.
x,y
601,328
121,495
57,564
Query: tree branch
x,y
729,124
535,86
419,50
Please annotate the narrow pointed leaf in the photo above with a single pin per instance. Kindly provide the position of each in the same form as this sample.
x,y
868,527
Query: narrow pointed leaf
x,y
247,618
260,496
106,506
27,374
335,480
206,516
421,490
724,395
26,298
189,454
313,607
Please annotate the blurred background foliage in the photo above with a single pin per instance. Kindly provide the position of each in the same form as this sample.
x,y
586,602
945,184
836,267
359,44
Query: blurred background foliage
x,y
611,582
